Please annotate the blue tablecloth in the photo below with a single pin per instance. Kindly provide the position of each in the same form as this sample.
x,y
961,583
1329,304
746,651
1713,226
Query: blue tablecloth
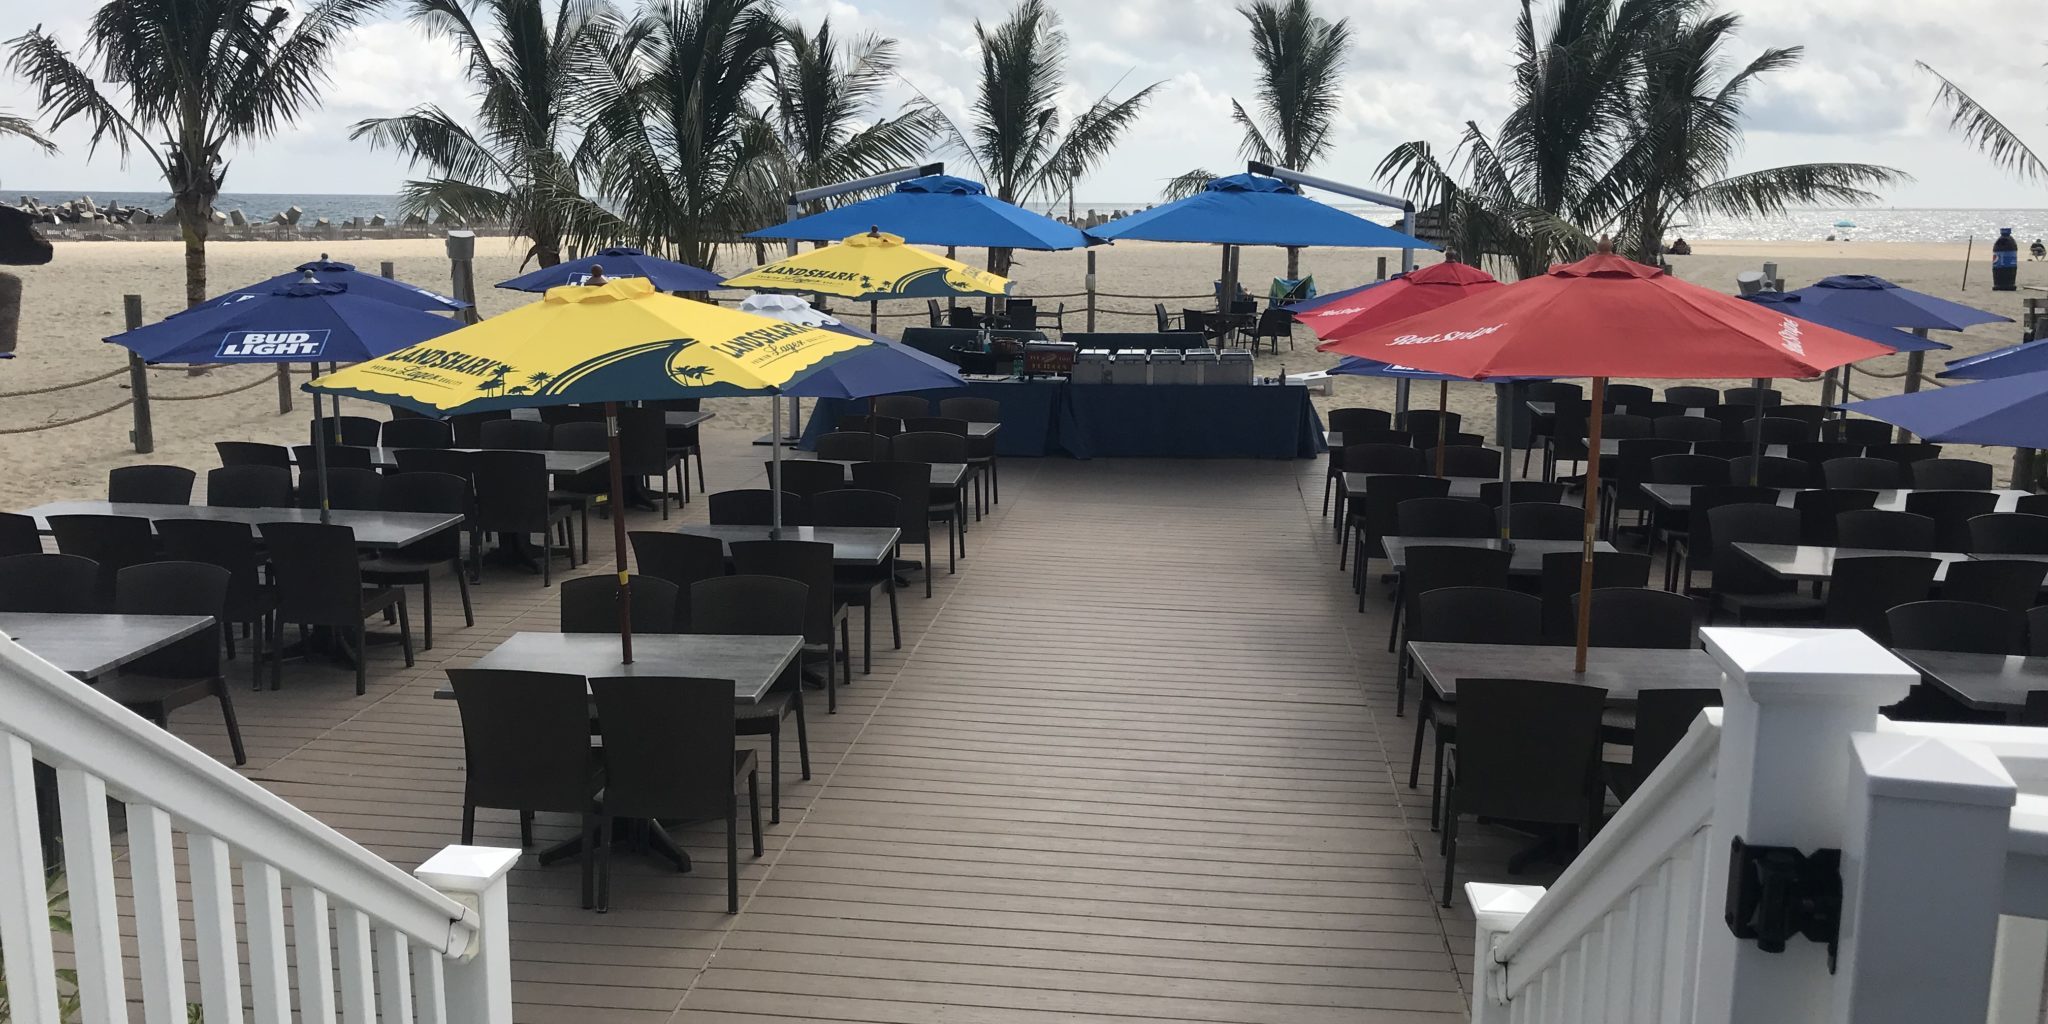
x,y
1210,421
1028,409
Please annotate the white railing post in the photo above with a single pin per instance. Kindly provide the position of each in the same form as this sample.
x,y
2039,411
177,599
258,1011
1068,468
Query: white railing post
x,y
479,977
1794,697
1496,910
24,900
1923,878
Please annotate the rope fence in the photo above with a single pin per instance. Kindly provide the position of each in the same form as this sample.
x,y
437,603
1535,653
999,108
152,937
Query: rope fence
x,y
122,404
65,386
265,379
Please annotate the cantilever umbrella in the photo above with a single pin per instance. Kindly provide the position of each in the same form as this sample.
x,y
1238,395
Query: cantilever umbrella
x,y
1605,316
2005,411
937,209
306,322
1873,299
609,342
616,262
2010,361
361,285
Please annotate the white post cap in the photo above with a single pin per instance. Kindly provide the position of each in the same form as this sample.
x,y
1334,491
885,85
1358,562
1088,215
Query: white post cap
x,y
1809,664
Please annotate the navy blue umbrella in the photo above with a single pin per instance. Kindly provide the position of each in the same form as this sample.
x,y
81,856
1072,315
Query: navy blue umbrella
x,y
2010,411
936,209
883,368
1800,306
1252,209
307,322
2025,357
1878,301
1310,305
326,271
619,261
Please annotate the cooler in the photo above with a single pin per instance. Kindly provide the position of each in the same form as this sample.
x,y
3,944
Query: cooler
x,y
1129,366
1167,367
1199,364
1092,366
1232,367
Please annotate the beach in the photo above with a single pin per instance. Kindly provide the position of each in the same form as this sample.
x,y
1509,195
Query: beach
x,y
76,300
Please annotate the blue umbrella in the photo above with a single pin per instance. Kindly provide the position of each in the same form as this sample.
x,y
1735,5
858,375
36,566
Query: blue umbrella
x,y
2010,411
362,285
2025,357
1795,304
1878,301
882,368
1359,366
306,322
936,209
1252,209
619,261
1310,305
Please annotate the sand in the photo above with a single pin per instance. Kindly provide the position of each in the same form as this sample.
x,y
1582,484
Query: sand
x,y
76,300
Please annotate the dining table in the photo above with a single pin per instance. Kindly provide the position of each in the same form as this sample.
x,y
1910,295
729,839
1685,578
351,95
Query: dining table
x,y
1997,683
88,646
1678,497
852,546
1525,556
1811,562
373,529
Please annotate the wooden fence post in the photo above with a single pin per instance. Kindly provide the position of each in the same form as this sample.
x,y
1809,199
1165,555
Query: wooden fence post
x,y
142,436
1381,274
387,270
1091,291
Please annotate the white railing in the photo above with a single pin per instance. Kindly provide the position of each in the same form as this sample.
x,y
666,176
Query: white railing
x,y
367,939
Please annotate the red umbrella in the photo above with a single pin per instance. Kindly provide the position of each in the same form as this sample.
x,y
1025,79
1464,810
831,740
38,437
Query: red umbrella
x,y
1602,317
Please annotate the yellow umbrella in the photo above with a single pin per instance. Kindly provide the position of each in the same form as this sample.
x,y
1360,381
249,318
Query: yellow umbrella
x,y
610,341
873,266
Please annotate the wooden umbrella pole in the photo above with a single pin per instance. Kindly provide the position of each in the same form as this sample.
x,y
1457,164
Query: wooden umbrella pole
x,y
1443,408
611,430
1756,426
1592,520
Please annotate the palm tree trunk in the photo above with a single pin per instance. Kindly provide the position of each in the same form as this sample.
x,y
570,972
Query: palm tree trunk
x,y
193,221
999,261
1294,263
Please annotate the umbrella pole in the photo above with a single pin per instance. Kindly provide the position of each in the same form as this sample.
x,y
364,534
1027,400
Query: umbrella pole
x,y
1507,460
874,316
320,455
611,432
1592,519
775,469
1756,426
1443,406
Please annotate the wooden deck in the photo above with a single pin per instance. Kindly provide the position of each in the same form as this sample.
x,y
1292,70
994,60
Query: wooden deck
x,y
1135,761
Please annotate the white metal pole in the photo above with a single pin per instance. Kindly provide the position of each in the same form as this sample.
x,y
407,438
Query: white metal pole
x,y
775,473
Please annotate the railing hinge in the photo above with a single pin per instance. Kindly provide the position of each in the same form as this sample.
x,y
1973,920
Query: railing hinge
x,y
1776,892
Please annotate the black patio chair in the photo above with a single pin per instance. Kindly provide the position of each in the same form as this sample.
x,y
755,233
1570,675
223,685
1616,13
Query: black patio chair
x,y
1904,451
350,487
250,601
2009,533
2010,583
644,453
417,432
1752,396
1464,460
1528,751
1422,426
1432,567
806,478
113,543
1741,585
853,506
1780,430
320,583
671,751
1558,586
853,446
1445,517
825,620
929,447
416,563
1625,397
1769,471
581,491
684,559
253,453
1374,516
981,451
150,485
590,604
1521,492
187,671
1663,717
1372,457
1692,396
1695,547
1949,475
520,435
884,426
1537,520
249,486
1862,432
1884,530
513,498
685,443
1640,617
910,482
338,457
1963,627
1463,615
761,606
755,507
1687,428
469,427
346,430
1861,590
19,535
2037,638
1862,473
902,407
526,748
55,583
1820,510
1817,454
2032,504
1952,512
1544,427
1623,491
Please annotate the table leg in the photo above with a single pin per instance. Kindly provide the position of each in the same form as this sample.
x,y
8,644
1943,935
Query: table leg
x,y
640,834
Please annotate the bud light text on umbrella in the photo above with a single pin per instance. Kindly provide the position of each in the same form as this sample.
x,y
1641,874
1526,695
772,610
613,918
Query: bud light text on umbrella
x,y
271,346
1433,339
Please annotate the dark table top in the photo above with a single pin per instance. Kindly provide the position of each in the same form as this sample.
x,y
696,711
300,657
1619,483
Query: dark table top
x,y
680,418
1461,486
851,545
1550,409
557,461
944,474
1812,562
1678,497
1528,554
1612,446
1621,671
1986,682
373,529
753,663
90,646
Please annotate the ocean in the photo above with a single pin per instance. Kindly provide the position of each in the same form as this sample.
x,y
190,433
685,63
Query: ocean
x,y
1869,224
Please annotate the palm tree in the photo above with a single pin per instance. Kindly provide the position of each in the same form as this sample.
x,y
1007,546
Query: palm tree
x,y
680,156
1014,138
822,91
15,126
185,81
1301,65
1983,129
513,169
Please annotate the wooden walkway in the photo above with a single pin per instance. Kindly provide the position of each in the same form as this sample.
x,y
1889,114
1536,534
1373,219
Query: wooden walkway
x,y
1135,762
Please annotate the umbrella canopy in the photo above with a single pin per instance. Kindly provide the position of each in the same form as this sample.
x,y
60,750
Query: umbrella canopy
x,y
1311,305
1792,304
1878,301
1606,316
1252,209
937,209
881,368
305,322
871,266
1402,295
2025,357
326,271
621,341
2004,411
616,262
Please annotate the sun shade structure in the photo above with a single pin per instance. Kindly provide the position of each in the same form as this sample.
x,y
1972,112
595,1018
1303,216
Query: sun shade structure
x,y
326,271
2025,357
1797,305
1605,316
871,266
936,209
2011,411
1252,209
879,368
1878,301
617,262
1402,295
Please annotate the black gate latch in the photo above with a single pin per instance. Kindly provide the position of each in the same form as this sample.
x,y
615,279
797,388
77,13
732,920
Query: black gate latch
x,y
1776,892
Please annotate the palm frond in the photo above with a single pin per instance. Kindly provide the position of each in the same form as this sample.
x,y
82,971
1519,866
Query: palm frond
x,y
1300,58
280,81
1186,184
1254,146
1984,130
1771,191
428,136
64,91
1088,142
469,203
23,128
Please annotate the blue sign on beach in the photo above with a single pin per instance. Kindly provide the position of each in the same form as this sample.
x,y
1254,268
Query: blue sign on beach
x,y
272,346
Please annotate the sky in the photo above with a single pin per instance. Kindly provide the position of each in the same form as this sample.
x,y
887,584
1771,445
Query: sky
x,y
1417,69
